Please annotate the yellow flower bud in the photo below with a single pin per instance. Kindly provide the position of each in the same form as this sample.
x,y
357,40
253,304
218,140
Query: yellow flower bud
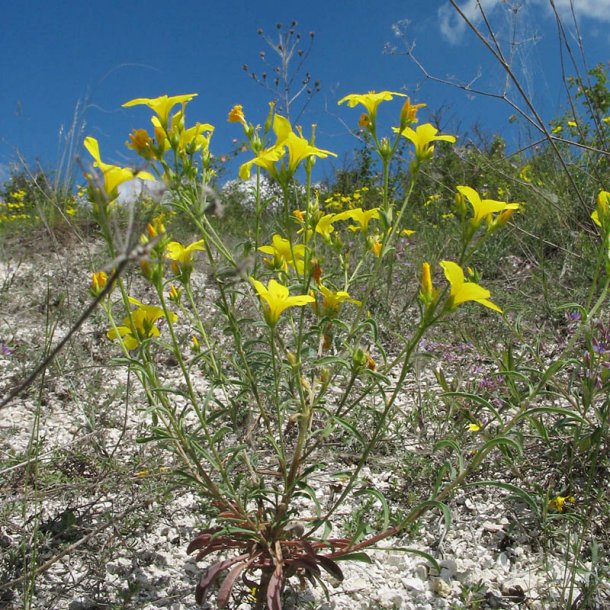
x,y
236,115
174,294
98,282
428,293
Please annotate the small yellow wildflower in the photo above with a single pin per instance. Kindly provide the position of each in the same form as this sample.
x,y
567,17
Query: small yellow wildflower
x,y
526,173
266,158
463,291
369,100
182,256
484,208
601,214
156,226
236,115
362,217
474,427
113,175
142,143
276,298
285,254
422,137
332,300
162,105
376,247
558,503
140,325
408,114
195,138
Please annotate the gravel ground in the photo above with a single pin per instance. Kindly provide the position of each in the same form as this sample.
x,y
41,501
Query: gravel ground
x,y
110,502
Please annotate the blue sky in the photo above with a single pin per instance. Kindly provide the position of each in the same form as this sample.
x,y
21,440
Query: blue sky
x,y
60,55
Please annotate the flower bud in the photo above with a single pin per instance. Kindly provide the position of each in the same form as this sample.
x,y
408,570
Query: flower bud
x,y
98,282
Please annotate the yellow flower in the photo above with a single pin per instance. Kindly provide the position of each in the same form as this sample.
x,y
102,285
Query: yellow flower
x,y
408,114
362,217
463,291
332,300
300,149
195,138
369,100
376,247
113,174
606,120
142,143
572,124
285,254
601,215
526,173
140,325
162,105
484,208
408,232
98,282
182,256
266,159
558,502
422,137
277,298
324,226
473,427
236,115
557,129
364,121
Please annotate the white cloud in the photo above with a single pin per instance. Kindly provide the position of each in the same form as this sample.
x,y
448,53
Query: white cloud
x,y
591,9
452,25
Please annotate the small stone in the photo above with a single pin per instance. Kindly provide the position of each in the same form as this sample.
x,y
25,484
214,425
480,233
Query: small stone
x,y
490,526
448,569
389,598
413,584
441,587
421,571
121,565
502,561
514,586
358,584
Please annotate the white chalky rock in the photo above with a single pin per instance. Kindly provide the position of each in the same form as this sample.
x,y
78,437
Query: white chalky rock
x,y
414,584
121,565
490,526
448,569
389,598
514,584
503,562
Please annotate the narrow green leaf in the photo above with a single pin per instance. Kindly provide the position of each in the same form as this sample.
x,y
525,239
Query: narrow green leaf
x,y
362,557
